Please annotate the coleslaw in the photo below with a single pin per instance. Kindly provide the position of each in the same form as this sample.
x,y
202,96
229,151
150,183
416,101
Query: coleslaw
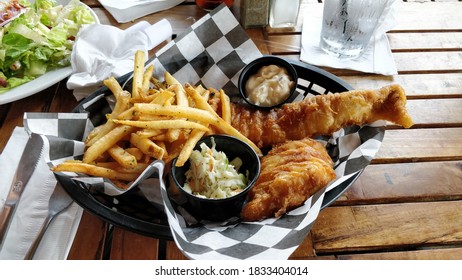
x,y
211,175
39,40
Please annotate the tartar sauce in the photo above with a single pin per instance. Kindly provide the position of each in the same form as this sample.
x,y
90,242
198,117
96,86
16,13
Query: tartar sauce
x,y
269,86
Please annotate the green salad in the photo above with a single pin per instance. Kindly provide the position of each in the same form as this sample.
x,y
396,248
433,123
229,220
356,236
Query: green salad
x,y
39,40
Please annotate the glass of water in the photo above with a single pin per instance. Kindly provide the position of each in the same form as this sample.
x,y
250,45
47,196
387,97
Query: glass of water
x,y
348,25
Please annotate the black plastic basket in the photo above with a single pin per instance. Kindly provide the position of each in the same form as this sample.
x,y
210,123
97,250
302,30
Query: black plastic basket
x,y
134,212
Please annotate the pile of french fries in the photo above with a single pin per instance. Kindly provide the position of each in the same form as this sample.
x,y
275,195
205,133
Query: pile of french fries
x,y
157,120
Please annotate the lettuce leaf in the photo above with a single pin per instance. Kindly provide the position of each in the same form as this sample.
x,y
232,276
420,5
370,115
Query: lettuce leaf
x,y
39,40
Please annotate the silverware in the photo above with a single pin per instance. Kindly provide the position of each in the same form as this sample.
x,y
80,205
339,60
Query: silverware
x,y
27,164
59,201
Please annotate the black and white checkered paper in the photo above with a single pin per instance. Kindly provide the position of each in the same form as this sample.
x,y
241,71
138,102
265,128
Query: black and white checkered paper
x,y
212,52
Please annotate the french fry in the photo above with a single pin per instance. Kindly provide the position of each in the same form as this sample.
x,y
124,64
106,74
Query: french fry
x,y
181,100
147,146
107,141
122,104
149,133
172,134
161,137
177,112
114,86
188,147
161,144
202,91
162,97
225,107
138,169
146,117
93,170
147,79
137,153
138,73
93,133
163,124
121,156
180,93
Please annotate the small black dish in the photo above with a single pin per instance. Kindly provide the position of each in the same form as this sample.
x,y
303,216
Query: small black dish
x,y
220,209
253,67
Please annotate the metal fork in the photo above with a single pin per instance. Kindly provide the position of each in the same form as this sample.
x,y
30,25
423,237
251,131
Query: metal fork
x,y
59,201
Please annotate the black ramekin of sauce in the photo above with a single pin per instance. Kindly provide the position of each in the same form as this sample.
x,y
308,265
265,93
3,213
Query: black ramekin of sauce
x,y
268,82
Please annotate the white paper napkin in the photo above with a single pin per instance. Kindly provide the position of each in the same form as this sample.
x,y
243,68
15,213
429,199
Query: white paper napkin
x,y
33,208
101,51
377,58
128,10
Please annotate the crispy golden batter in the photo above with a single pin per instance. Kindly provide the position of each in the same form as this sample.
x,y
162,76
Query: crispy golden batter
x,y
321,115
290,174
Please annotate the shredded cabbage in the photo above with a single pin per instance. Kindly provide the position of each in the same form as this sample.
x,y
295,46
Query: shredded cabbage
x,y
39,40
211,175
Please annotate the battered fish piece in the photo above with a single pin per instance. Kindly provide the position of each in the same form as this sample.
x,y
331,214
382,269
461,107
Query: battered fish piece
x,y
321,115
290,174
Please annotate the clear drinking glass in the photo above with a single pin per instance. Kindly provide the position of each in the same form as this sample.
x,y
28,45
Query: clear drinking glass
x,y
348,25
283,13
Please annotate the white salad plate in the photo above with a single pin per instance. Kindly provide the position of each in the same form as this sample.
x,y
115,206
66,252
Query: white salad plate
x,y
42,82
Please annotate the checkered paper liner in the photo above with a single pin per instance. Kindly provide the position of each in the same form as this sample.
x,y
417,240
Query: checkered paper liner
x,y
223,51
351,148
211,52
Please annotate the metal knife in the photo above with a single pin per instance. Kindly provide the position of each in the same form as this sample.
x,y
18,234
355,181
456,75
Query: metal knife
x,y
27,164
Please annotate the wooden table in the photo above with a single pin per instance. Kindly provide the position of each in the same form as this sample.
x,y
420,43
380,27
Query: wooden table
x,y
406,205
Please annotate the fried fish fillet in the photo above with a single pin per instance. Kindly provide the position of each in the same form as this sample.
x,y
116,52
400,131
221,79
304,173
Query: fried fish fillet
x,y
290,174
321,115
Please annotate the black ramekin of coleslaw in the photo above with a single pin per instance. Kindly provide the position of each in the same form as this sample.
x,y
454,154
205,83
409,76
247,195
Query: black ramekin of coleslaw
x,y
216,208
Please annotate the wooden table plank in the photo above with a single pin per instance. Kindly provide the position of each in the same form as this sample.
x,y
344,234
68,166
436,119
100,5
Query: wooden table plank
x,y
436,112
432,62
411,145
410,63
428,254
127,245
64,100
387,227
173,253
416,85
89,242
425,41
397,183
441,16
